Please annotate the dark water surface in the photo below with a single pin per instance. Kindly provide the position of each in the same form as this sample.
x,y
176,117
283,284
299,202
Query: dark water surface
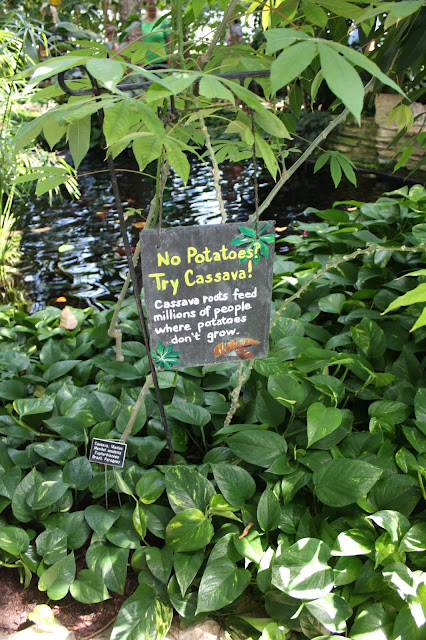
x,y
92,272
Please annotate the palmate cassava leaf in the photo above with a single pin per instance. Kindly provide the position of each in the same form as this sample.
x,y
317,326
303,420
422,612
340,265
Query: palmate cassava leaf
x,y
342,79
291,63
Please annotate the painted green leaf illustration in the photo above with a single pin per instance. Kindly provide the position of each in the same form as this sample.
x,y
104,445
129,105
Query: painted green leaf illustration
x,y
165,357
257,243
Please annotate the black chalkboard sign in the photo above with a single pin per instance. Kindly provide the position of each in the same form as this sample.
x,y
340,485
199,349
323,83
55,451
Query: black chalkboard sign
x,y
208,292
111,452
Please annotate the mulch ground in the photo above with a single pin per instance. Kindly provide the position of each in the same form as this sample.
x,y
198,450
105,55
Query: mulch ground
x,y
86,620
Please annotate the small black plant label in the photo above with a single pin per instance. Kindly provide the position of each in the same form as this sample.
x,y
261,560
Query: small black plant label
x,y
111,452
208,292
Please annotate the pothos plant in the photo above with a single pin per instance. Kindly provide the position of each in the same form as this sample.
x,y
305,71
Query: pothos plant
x,y
305,514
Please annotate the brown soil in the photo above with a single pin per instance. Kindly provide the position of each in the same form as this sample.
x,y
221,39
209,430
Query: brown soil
x,y
86,620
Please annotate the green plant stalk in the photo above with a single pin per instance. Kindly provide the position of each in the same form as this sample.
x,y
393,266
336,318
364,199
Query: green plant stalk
x,y
305,155
215,170
422,487
334,263
136,407
243,374
113,329
221,28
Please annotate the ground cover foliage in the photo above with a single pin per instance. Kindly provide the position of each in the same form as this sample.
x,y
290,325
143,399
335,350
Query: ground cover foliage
x,y
306,511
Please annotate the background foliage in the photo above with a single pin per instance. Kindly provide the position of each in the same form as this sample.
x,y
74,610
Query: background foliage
x,y
308,509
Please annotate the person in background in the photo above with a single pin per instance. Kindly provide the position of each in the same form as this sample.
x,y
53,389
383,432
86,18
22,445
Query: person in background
x,y
156,36
111,37
234,33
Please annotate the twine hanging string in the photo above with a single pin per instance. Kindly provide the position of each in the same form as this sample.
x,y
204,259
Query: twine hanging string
x,y
255,183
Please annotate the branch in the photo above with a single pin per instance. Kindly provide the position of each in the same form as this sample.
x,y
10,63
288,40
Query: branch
x,y
113,330
335,263
305,155
221,28
127,431
215,170
243,376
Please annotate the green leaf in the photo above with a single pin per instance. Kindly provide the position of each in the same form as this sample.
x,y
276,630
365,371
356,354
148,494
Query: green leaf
x,y
186,566
331,611
89,587
346,570
103,406
45,493
314,13
221,584
189,530
143,616
211,87
235,483
33,406
100,519
335,170
268,511
139,521
52,545
59,451
77,473
110,563
406,627
150,487
414,539
286,389
332,303
411,297
188,413
396,524
13,540
261,448
59,369
280,38
322,421
186,606
344,481
12,389
249,546
353,542
342,79
291,63
302,571
372,623
177,159
79,139
121,370
125,534
270,123
187,489
146,148
109,72
28,132
56,580
160,562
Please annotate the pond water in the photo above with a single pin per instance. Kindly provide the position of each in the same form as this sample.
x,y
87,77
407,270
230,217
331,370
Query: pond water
x,y
92,272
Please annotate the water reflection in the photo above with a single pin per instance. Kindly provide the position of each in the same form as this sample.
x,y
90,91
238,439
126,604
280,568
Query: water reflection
x,y
93,271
